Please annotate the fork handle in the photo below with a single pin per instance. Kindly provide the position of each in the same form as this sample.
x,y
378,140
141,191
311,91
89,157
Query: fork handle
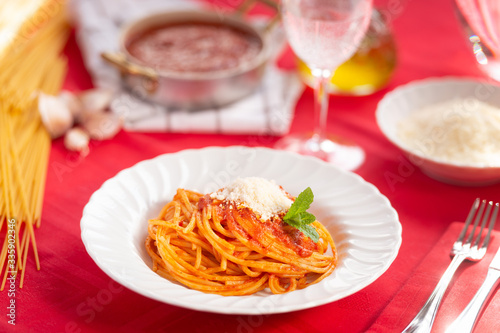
x,y
425,318
466,320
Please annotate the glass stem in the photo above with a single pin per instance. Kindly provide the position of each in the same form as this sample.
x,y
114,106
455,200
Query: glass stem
x,y
322,79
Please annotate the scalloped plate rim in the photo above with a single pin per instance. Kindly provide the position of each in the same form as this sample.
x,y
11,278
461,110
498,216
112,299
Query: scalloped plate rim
x,y
93,251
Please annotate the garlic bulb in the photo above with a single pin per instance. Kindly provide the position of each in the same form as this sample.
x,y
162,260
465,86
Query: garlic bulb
x,y
74,104
95,100
102,125
55,114
76,139
88,108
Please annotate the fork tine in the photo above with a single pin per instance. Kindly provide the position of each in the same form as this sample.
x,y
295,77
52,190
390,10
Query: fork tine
x,y
476,222
483,223
492,223
460,251
466,321
472,211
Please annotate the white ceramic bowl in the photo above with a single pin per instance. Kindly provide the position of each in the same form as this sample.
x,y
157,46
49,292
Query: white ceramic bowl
x,y
416,95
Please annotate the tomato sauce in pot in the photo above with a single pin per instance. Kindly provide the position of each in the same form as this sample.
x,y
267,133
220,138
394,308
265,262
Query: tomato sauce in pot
x,y
194,47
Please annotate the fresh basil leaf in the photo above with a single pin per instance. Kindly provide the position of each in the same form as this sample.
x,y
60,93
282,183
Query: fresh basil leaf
x,y
306,229
301,203
310,232
298,218
305,218
293,223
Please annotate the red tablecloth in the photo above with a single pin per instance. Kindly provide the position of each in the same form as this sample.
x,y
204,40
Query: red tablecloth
x,y
71,294
424,279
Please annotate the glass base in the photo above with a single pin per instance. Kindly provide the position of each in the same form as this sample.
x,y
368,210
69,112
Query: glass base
x,y
492,69
344,155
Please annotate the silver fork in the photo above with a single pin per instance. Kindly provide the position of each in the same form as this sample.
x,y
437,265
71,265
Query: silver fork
x,y
471,249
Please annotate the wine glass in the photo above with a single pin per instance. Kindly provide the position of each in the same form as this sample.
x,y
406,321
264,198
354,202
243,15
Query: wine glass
x,y
481,22
324,34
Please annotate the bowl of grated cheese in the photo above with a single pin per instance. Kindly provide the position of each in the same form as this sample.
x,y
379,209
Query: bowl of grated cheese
x,y
448,127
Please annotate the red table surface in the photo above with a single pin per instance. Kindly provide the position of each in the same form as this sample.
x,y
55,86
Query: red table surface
x,y
71,294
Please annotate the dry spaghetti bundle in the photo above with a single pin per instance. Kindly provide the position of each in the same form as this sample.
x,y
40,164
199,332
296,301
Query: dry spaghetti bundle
x,y
215,247
32,35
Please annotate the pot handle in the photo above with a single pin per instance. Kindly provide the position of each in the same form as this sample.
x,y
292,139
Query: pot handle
x,y
248,4
119,60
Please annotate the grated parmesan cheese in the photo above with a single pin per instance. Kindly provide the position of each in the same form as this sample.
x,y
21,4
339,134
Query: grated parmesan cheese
x,y
264,197
462,131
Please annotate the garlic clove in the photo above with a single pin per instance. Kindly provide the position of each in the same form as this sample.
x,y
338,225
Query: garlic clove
x,y
72,101
55,114
76,139
95,100
102,126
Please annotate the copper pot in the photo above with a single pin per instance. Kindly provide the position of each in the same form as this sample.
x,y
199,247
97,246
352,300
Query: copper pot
x,y
192,90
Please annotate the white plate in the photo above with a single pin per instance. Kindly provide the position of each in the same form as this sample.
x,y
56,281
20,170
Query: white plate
x,y
362,222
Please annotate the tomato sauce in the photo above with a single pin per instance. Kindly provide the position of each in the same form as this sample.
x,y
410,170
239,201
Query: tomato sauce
x,y
256,229
194,47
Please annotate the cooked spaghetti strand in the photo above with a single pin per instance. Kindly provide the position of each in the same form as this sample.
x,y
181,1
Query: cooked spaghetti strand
x,y
216,247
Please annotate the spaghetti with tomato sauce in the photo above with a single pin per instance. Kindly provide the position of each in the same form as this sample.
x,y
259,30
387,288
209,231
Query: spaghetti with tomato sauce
x,y
227,247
